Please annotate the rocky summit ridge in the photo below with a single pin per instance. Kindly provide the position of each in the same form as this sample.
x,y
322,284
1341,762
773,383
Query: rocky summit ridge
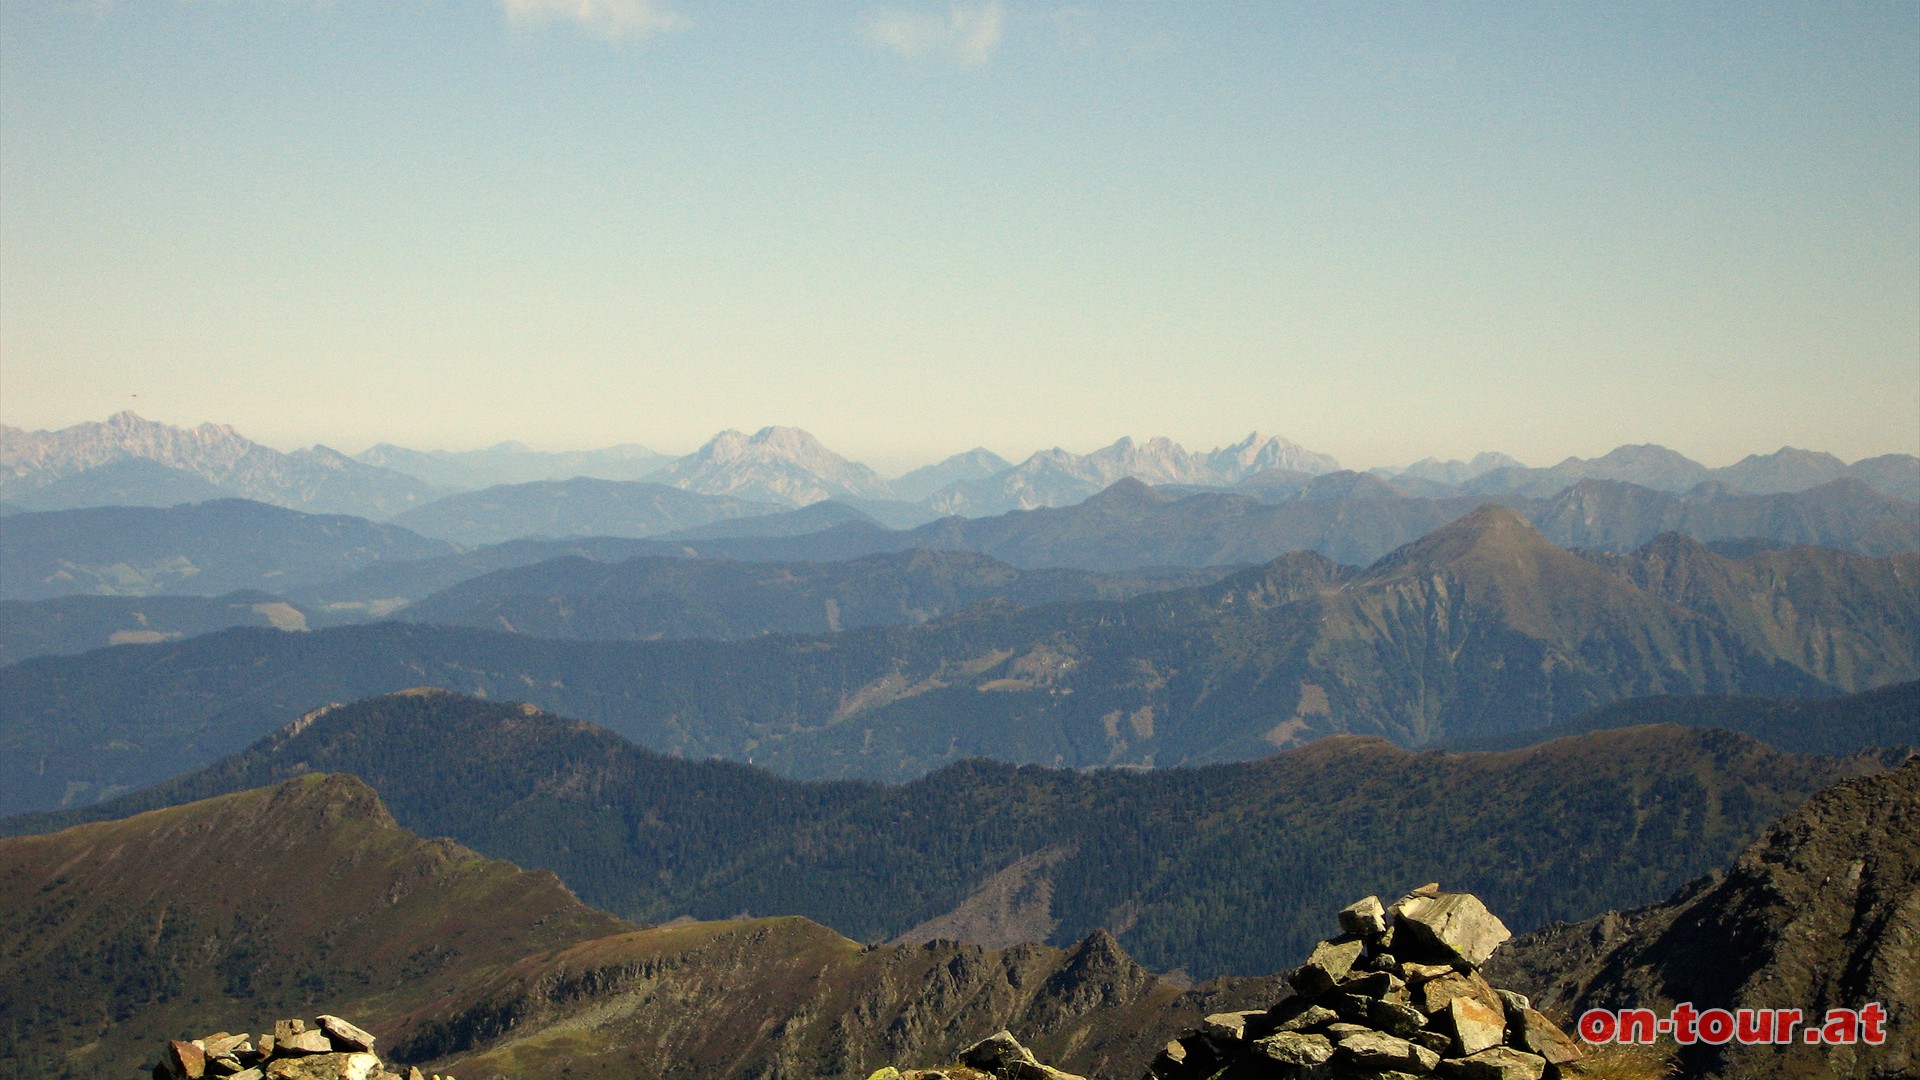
x,y
1058,477
319,479
782,465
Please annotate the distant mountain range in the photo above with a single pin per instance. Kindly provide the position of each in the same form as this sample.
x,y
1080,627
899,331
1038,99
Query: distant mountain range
x,y
202,548
1783,471
76,624
781,465
336,570
1483,627
513,463
131,461
57,470
569,508
978,463
1058,478
650,597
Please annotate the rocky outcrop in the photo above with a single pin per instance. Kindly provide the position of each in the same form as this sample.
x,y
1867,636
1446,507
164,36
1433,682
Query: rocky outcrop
x,y
329,1048
999,1056
1822,912
1397,995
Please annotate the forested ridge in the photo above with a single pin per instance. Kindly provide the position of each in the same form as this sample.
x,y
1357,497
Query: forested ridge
x,y
1211,870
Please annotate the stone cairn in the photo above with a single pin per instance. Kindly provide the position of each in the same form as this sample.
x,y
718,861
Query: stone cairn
x,y
997,1057
1397,996
328,1049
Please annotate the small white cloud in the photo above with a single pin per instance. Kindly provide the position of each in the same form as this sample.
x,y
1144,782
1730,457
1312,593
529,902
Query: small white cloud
x,y
966,34
611,19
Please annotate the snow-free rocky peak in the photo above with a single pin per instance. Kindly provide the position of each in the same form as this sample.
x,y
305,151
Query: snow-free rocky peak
x,y
317,480
775,464
1057,477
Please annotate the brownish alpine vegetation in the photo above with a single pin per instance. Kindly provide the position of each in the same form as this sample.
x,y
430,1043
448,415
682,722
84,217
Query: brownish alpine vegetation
x,y
300,898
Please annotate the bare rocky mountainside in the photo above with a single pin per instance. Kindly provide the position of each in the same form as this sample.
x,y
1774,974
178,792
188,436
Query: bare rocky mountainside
x,y
1823,911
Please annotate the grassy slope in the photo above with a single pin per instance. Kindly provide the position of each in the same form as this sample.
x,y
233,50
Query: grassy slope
x,y
290,900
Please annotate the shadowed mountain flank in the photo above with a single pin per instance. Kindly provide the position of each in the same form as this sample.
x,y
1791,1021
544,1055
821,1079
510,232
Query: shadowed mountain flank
x,y
1822,911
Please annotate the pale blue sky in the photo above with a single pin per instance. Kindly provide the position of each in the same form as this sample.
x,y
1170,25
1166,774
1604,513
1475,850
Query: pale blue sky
x,y
1384,231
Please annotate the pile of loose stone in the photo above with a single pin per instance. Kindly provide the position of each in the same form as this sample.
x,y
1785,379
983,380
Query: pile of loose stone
x,y
328,1049
1397,996
997,1057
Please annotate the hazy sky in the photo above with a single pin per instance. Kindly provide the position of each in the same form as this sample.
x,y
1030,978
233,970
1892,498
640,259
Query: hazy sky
x,y
1384,231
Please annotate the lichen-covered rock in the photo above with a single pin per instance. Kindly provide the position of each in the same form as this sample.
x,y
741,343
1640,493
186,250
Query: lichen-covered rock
x,y
331,1066
1435,995
1328,964
1475,1027
1379,1050
343,1034
1536,1034
1453,925
1230,1025
1295,1048
306,1042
